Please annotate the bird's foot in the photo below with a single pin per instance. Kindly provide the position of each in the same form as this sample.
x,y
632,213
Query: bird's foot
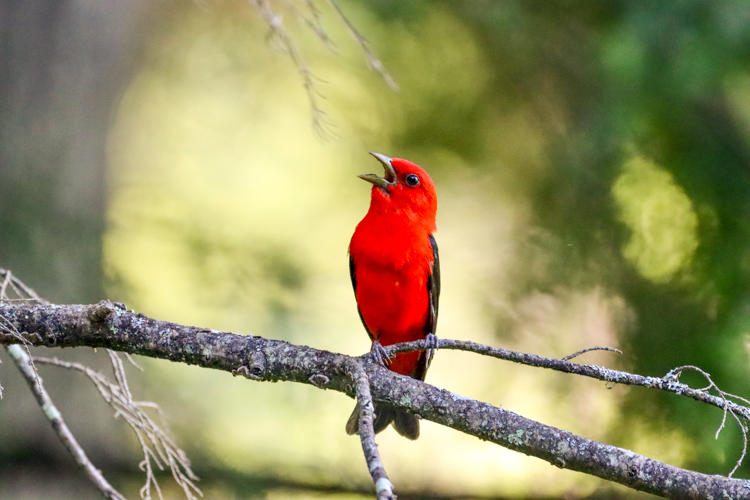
x,y
380,354
431,340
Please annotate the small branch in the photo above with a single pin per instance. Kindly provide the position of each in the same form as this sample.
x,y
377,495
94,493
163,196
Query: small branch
x,y
21,291
117,395
668,383
372,61
321,124
383,485
23,361
6,282
675,373
156,445
589,349
314,22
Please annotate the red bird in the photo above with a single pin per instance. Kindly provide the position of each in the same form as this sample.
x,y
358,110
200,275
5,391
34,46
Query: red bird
x,y
395,271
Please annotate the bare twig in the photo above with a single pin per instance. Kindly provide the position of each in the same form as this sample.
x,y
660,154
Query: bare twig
x,y
314,21
670,382
667,383
383,485
589,349
321,124
157,446
155,443
372,61
674,374
6,282
23,361
22,292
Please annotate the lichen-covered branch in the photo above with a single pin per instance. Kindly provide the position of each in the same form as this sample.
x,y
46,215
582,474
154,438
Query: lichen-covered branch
x,y
112,326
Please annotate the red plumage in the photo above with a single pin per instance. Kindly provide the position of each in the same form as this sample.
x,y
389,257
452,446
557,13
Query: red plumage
x,y
395,272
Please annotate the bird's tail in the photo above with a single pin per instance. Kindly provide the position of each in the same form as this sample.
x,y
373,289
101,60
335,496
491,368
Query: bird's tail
x,y
405,424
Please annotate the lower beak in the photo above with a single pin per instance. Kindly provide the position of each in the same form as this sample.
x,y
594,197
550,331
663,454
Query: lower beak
x,y
389,179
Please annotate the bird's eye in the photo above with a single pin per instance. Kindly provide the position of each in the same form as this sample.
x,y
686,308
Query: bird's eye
x,y
412,180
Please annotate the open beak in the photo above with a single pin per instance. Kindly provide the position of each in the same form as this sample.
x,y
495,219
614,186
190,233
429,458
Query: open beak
x,y
389,179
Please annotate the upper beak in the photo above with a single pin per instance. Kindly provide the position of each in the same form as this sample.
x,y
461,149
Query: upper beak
x,y
389,179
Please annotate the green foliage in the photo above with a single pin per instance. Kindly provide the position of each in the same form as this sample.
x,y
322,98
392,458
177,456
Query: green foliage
x,y
648,175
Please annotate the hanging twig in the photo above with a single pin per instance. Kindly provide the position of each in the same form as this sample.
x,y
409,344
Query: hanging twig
x,y
372,61
23,361
273,17
322,126
674,374
157,446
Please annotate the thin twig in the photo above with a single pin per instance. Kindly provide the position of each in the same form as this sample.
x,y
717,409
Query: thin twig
x,y
383,485
133,362
670,382
156,444
667,383
6,281
23,361
314,22
321,124
675,375
372,61
117,395
588,349
22,293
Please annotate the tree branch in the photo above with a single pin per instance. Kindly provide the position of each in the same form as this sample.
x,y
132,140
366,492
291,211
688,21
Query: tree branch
x,y
272,360
669,383
383,485
156,444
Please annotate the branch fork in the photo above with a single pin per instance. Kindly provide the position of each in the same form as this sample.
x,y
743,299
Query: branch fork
x,y
71,325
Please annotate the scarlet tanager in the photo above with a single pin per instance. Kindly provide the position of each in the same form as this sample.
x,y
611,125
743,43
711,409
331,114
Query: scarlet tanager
x,y
395,271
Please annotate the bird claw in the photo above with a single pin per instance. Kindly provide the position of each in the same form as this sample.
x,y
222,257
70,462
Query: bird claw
x,y
431,341
379,354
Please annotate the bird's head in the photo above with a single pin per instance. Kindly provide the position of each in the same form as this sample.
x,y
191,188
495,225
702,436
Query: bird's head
x,y
406,188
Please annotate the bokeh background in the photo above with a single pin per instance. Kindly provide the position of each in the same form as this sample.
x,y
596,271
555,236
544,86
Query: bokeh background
x,y
592,161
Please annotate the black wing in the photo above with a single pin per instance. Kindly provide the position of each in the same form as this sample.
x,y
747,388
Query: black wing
x,y
433,294
353,276
433,289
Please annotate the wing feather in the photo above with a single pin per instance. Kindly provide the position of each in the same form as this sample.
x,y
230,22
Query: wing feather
x,y
433,294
